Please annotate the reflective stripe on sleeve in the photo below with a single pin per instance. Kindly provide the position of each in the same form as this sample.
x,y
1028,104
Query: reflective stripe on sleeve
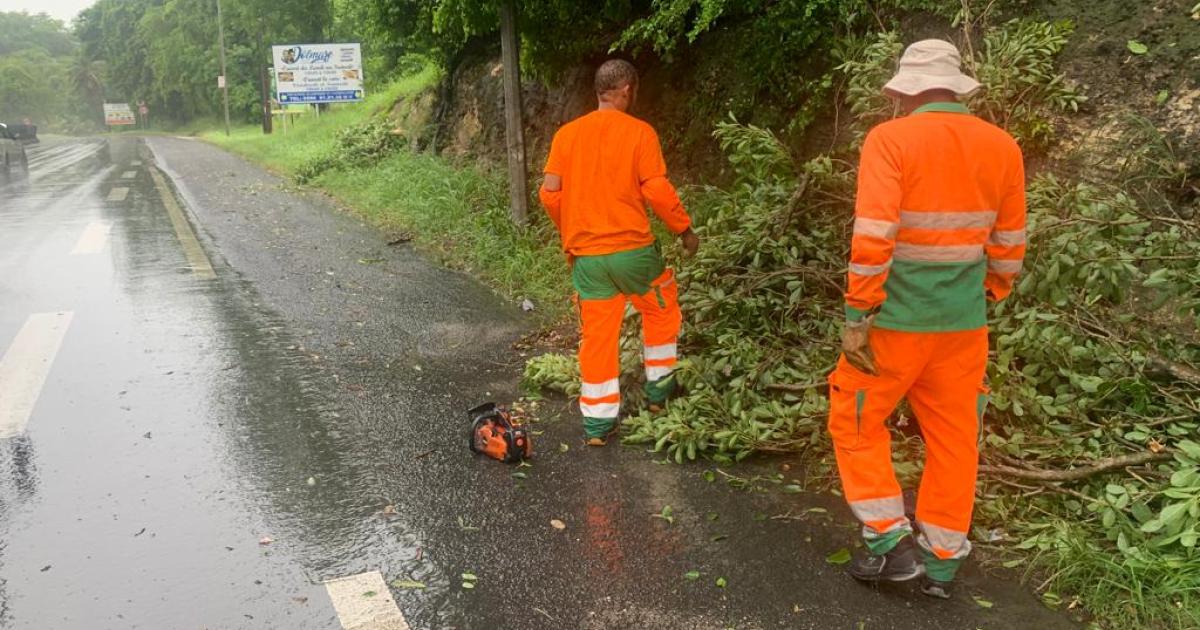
x,y
947,220
938,253
869,270
664,351
1007,238
876,228
1000,265
600,390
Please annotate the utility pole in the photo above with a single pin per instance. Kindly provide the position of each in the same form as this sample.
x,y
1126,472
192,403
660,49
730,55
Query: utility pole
x,y
224,77
514,130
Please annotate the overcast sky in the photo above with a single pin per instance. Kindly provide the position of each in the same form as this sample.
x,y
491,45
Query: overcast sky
x,y
63,10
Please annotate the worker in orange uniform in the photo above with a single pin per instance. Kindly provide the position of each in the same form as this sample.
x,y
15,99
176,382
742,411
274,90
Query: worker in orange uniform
x,y
603,169
939,231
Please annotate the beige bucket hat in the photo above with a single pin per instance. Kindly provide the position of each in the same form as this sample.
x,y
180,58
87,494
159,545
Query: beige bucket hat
x,y
930,64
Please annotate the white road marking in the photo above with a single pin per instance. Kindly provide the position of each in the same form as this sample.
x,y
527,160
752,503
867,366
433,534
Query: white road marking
x,y
363,602
197,259
118,193
129,174
93,239
135,162
24,368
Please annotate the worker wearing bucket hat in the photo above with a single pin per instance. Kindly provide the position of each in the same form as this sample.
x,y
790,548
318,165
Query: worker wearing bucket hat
x,y
939,232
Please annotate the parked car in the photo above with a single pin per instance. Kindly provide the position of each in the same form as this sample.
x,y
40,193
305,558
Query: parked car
x,y
13,161
25,132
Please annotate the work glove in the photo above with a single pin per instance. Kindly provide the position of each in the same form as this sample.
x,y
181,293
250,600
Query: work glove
x,y
690,242
856,345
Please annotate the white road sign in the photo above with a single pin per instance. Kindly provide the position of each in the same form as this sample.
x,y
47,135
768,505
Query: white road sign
x,y
119,114
318,73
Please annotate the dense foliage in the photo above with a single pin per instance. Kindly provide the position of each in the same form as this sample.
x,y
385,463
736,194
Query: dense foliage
x,y
1091,354
38,71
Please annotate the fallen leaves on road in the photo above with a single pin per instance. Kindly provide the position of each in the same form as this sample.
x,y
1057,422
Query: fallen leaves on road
x,y
841,556
389,510
408,584
692,575
981,602
557,524
266,540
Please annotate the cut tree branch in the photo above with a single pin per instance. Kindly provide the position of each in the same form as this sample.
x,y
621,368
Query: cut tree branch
x,y
1082,472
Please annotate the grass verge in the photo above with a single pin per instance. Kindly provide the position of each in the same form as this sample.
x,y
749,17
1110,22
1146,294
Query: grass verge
x,y
456,212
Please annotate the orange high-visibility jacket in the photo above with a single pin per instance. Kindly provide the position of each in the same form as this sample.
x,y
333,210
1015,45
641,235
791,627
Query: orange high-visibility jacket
x,y
939,222
611,166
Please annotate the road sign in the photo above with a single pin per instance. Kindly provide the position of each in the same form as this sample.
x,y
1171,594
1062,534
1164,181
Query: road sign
x,y
220,82
143,110
118,114
318,73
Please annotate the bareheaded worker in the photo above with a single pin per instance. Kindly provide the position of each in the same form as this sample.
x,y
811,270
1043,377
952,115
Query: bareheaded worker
x,y
604,169
939,231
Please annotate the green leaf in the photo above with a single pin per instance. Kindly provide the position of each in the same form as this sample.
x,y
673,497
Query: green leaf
x,y
721,582
408,584
1136,47
370,594
712,516
718,538
519,475
793,488
692,575
841,556
468,585
981,602
470,577
710,476
1162,98
563,448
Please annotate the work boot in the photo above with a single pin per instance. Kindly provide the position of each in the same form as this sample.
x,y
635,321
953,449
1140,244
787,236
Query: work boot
x,y
900,564
934,588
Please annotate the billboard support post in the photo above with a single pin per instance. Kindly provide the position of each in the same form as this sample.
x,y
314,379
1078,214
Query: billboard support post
x,y
514,131
224,77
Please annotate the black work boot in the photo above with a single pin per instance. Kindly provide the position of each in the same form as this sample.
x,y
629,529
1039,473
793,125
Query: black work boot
x,y
934,588
900,564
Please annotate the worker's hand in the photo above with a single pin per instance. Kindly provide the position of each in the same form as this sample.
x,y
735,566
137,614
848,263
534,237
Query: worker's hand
x,y
690,242
856,345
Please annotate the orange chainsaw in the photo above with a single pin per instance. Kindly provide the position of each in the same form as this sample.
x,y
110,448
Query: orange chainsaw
x,y
496,434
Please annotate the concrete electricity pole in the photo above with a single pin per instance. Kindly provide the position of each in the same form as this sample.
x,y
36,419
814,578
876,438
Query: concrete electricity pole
x,y
514,130
224,79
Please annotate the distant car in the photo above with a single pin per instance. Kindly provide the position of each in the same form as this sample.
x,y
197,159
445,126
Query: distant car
x,y
25,132
13,160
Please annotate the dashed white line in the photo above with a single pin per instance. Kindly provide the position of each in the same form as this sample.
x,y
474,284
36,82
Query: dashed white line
x,y
93,239
363,602
118,193
129,174
25,366
135,162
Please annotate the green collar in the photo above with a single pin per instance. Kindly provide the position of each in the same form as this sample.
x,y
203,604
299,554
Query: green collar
x,y
949,108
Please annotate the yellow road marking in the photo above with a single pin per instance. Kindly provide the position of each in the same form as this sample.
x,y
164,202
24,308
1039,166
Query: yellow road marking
x,y
196,257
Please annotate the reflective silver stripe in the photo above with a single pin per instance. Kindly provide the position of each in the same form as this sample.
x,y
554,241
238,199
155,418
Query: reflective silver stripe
x,y
1007,238
938,253
600,410
665,351
876,228
871,510
600,390
947,220
869,270
658,372
946,544
1000,265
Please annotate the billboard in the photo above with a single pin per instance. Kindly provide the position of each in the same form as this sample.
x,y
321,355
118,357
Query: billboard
x,y
318,73
119,114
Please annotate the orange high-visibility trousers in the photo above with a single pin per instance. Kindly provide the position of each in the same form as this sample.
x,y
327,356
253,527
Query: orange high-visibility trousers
x,y
599,349
942,376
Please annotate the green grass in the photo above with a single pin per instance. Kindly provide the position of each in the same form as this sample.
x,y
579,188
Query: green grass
x,y
458,213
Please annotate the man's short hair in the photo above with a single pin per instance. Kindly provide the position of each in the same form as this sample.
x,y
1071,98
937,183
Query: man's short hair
x,y
615,74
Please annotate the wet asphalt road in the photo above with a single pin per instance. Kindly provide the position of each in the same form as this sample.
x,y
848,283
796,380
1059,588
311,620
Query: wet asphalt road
x,y
313,378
